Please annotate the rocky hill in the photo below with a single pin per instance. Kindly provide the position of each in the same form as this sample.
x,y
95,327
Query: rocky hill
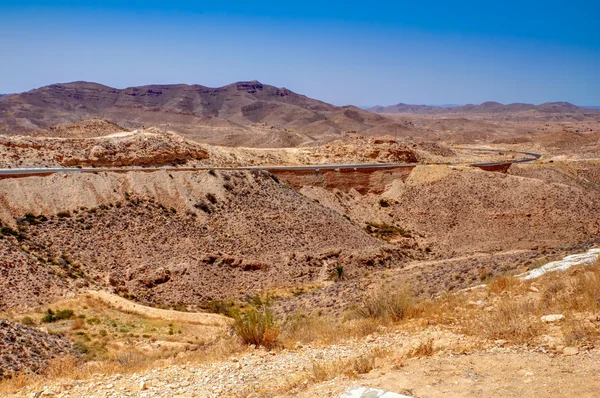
x,y
172,239
27,349
243,113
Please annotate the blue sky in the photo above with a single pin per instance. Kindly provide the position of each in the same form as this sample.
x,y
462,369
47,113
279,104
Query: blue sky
x,y
343,52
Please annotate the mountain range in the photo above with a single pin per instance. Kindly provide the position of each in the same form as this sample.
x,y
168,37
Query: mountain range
x,y
242,113
486,107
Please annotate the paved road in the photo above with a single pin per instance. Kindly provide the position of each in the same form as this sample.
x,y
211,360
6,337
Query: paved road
x,y
51,170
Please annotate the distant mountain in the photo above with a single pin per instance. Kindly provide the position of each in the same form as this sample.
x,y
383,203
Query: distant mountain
x,y
591,106
486,107
243,113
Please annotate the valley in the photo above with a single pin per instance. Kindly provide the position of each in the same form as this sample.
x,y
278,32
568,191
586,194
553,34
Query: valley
x,y
291,244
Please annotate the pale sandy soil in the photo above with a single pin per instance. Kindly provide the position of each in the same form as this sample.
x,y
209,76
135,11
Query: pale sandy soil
x,y
157,313
496,373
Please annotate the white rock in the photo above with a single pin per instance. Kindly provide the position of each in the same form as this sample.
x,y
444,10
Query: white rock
x,y
552,318
568,351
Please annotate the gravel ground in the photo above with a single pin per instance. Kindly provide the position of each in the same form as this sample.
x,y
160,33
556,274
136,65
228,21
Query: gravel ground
x,y
251,374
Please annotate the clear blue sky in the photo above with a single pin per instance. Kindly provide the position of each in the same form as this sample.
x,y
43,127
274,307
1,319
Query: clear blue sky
x,y
343,52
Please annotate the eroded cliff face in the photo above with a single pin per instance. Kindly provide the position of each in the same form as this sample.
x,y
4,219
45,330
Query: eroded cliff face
x,y
363,180
149,148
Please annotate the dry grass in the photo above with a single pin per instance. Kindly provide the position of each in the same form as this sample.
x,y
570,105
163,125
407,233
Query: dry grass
x,y
510,320
127,361
511,310
424,349
501,284
384,304
351,367
310,328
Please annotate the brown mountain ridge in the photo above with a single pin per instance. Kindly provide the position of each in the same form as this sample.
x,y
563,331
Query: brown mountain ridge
x,y
243,113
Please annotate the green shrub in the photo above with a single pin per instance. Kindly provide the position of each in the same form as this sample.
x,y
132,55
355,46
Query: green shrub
x,y
59,315
256,326
28,321
220,307
93,321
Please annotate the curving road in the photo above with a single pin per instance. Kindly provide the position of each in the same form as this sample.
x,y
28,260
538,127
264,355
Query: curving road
x,y
51,170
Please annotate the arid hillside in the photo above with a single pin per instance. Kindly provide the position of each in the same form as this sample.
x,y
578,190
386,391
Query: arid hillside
x,y
240,114
172,239
465,210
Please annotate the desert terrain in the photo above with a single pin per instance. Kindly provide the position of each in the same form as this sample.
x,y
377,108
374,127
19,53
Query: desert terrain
x,y
250,241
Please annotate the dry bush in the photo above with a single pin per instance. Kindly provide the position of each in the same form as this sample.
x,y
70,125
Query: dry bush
x,y
78,323
386,305
424,349
363,364
307,328
551,295
443,310
327,370
501,284
580,333
510,320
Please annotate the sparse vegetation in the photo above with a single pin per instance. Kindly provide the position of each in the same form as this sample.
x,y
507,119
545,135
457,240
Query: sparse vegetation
x,y
339,269
202,205
385,231
423,349
387,305
211,198
325,370
8,231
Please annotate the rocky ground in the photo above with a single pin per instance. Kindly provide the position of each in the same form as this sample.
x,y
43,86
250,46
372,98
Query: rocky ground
x,y
27,349
509,338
